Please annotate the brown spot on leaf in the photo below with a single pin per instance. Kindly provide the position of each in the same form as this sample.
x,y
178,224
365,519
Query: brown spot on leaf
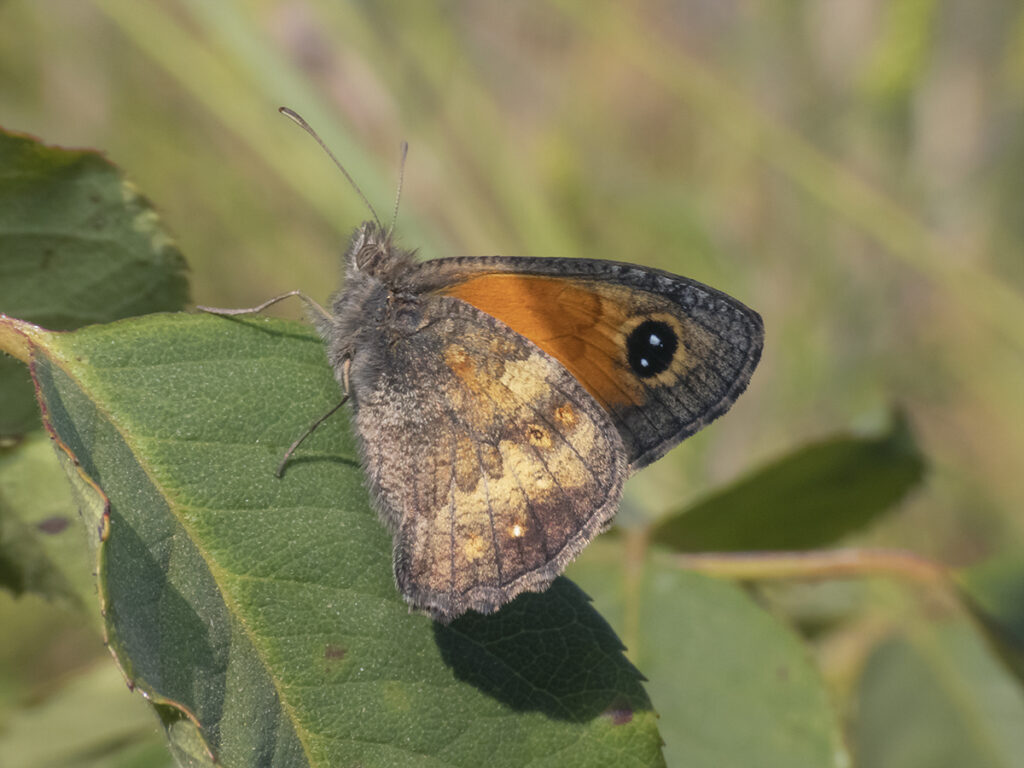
x,y
619,716
52,525
334,652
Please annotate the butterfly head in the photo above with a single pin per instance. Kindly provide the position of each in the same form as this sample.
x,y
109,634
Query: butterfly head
x,y
372,253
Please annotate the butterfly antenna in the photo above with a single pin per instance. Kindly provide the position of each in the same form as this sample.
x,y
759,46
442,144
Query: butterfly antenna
x,y
398,192
300,121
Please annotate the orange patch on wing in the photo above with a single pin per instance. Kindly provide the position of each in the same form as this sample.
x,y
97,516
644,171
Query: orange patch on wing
x,y
578,323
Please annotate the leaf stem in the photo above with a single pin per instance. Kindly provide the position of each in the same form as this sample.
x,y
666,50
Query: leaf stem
x,y
816,564
634,563
18,337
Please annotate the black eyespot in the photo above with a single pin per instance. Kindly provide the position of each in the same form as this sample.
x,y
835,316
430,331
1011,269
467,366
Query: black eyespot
x,y
651,347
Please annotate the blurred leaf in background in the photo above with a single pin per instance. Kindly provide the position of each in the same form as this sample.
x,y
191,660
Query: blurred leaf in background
x,y
850,170
71,214
810,498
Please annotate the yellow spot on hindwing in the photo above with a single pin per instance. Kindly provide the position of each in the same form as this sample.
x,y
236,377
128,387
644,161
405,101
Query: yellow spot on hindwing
x,y
526,379
473,548
538,436
565,415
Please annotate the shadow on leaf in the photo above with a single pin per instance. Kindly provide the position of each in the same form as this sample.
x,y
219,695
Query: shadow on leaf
x,y
550,653
315,459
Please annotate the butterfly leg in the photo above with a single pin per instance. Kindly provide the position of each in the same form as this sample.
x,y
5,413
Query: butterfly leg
x,y
310,303
346,366
309,431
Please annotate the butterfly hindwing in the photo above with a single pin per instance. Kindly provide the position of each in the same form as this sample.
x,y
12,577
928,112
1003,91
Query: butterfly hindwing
x,y
492,465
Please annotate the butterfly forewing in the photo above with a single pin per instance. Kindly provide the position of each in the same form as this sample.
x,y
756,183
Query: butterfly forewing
x,y
662,354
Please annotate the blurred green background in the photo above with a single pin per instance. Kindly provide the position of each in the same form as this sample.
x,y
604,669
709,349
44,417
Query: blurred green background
x,y
852,170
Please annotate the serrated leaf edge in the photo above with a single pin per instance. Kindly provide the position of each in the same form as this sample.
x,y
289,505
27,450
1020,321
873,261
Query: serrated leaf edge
x,y
35,345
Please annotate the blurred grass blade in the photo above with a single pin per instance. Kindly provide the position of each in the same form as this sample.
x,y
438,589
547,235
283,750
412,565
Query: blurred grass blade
x,y
264,610
78,245
619,33
236,74
808,499
901,51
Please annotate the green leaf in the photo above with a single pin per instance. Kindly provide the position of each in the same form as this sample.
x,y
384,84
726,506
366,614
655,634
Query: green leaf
x,y
937,699
264,610
91,722
78,245
42,548
808,499
733,685
993,592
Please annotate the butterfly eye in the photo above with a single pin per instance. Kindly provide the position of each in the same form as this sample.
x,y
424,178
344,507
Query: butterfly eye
x,y
650,348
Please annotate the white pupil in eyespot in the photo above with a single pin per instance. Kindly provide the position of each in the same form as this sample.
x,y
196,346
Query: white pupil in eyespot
x,y
644,363
655,340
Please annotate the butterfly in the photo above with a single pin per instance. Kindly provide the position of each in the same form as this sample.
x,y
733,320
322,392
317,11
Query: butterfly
x,y
500,403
